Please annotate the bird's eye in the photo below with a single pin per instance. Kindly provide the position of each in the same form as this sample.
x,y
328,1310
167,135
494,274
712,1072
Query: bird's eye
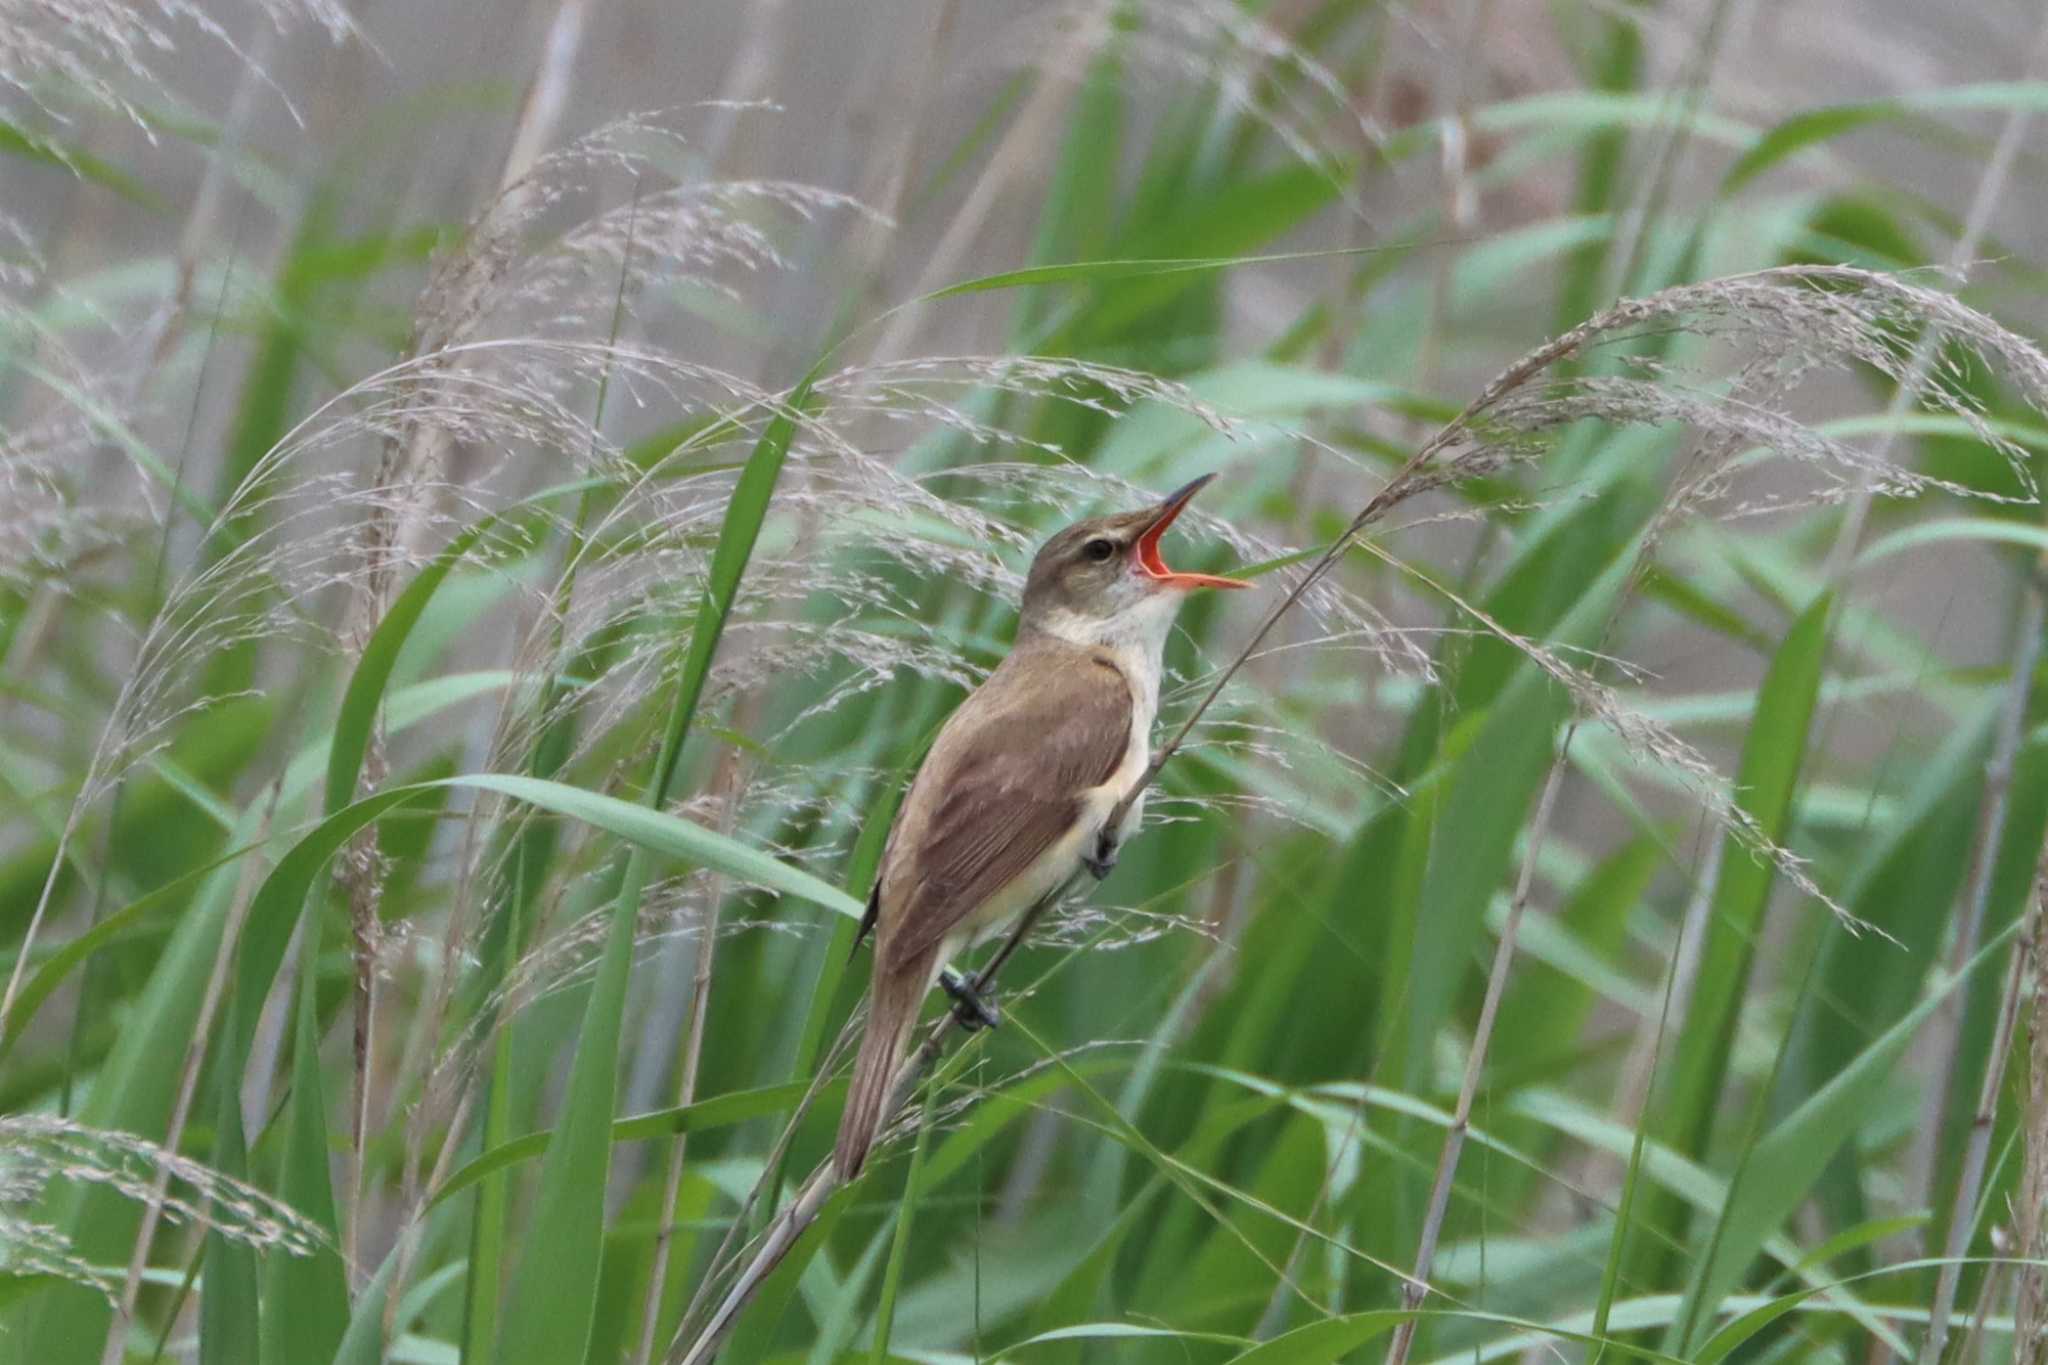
x,y
1099,549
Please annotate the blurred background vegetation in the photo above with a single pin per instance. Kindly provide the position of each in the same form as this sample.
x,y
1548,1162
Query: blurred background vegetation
x,y
493,501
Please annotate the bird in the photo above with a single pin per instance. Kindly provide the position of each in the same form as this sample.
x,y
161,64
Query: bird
x,y
1013,799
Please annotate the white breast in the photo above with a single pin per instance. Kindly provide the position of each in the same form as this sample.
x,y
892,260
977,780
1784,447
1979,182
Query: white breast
x,y
1141,671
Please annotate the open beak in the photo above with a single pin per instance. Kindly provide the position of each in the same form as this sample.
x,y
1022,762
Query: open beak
x,y
1146,549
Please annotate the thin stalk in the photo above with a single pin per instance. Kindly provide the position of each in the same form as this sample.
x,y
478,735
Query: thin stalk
x,y
746,76
2030,1313
1970,1350
547,94
1687,954
899,1242
1637,1102
724,1258
364,886
415,1221
1961,1223
781,1236
1475,1060
1693,1304
686,1093
1986,841
1992,812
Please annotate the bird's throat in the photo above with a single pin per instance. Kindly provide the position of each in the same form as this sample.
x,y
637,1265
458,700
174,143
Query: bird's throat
x,y
1135,638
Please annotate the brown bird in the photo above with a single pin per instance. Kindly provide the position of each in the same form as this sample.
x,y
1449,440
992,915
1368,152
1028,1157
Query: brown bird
x,y
1013,800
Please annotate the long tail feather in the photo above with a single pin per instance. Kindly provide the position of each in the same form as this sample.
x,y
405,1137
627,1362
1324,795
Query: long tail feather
x,y
892,1013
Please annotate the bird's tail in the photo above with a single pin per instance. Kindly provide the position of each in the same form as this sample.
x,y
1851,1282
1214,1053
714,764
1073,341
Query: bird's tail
x,y
892,1013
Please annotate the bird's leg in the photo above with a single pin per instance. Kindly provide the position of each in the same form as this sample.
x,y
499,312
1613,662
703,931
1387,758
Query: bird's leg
x,y
973,1009
1102,861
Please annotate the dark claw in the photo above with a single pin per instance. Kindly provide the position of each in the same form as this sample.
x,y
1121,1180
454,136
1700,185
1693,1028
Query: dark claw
x,y
970,1007
1103,861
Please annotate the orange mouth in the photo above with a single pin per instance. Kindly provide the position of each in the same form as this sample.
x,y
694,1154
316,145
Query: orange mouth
x,y
1153,565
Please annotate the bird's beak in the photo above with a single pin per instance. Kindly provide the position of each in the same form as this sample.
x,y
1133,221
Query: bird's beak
x,y
1146,548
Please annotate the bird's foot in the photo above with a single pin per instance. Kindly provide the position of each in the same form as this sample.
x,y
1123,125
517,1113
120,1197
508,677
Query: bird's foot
x,y
1102,861
973,1009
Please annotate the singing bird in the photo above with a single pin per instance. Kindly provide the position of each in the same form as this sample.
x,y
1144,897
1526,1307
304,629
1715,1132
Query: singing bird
x,y
1013,800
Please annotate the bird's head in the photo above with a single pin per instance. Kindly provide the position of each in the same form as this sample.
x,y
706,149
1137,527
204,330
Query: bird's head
x,y
1104,579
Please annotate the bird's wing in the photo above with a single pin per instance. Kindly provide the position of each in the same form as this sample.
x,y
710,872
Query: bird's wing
x,y
999,789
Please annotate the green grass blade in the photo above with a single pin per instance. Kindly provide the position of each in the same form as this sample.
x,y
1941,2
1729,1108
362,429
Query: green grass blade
x,y
1221,227
1124,1331
305,1300
702,1117
553,1301
484,1278
1772,756
899,1242
134,1092
1781,1169
507,937
409,706
661,832
744,514
1081,199
18,141
1096,272
136,1082
111,929
356,719
230,1332
276,908
1811,127
363,1342
1319,1343
548,1315
274,911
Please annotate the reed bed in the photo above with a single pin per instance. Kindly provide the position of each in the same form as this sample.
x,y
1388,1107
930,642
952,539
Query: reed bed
x,y
465,623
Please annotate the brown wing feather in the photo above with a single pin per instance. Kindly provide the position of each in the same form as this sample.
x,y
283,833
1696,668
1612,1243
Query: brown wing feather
x,y
999,788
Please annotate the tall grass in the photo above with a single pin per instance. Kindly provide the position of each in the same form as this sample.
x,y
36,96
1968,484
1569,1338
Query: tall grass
x,y
464,628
